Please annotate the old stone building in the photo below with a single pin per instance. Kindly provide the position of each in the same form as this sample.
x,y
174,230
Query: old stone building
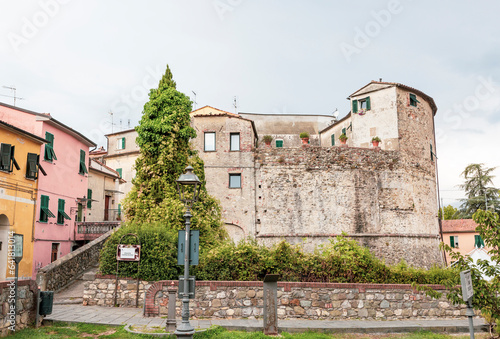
x,y
385,196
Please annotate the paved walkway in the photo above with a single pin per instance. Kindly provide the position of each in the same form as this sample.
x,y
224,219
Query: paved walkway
x,y
133,316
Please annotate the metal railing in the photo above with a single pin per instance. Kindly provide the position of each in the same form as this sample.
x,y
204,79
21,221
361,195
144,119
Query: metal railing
x,y
90,227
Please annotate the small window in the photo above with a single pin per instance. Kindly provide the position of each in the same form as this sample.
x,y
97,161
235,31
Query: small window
x,y
49,148
61,215
235,180
209,141
454,241
413,100
279,143
89,198
235,141
478,241
361,105
119,170
120,143
333,139
45,213
7,160
33,165
83,168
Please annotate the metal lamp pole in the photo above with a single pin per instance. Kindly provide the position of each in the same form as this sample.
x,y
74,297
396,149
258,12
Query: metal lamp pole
x,y
188,186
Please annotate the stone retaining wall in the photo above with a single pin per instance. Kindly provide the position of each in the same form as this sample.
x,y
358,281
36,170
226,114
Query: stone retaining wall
x,y
61,272
26,305
323,301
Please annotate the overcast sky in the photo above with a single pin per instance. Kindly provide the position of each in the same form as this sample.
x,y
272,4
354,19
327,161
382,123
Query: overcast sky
x,y
79,60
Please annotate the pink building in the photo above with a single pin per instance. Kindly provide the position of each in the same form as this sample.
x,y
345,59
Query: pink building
x,y
461,235
62,193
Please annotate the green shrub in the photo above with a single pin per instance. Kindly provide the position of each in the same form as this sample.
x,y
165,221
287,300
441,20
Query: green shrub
x,y
158,252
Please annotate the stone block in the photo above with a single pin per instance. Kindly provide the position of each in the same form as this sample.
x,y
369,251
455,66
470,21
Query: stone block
x,y
305,303
299,310
251,294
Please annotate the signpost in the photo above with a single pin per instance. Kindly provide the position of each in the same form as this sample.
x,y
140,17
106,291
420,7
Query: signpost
x,y
128,253
467,293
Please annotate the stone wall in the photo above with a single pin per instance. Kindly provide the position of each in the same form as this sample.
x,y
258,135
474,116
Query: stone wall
x,y
323,301
61,272
26,305
383,199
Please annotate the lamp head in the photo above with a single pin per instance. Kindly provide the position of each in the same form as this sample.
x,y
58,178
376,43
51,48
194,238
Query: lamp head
x,y
188,186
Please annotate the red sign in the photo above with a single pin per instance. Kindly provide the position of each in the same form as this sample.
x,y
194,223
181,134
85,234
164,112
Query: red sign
x,y
128,252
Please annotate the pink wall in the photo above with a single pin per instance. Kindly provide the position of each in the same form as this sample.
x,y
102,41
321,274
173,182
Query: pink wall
x,y
62,182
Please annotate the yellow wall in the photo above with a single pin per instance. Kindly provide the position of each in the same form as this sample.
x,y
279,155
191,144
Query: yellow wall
x,y
17,202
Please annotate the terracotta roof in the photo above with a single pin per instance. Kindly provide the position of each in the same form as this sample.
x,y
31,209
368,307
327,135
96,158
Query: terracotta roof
x,y
22,132
120,132
408,88
335,123
116,174
459,225
219,112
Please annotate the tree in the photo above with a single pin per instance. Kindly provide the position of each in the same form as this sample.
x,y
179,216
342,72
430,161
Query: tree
x,y
450,213
479,190
486,297
163,137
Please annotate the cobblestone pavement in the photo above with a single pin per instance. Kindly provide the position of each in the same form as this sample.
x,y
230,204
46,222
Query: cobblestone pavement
x,y
133,316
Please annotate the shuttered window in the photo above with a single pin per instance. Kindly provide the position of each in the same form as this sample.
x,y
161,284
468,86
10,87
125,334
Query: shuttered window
x,y
478,241
83,168
413,100
279,143
120,143
454,241
119,170
45,213
61,215
89,198
355,106
49,148
333,139
7,159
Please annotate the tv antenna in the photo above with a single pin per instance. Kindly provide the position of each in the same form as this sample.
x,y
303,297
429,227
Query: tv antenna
x,y
194,102
235,104
111,113
13,89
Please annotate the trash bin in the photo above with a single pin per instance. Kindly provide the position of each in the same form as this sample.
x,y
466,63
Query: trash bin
x,y
46,301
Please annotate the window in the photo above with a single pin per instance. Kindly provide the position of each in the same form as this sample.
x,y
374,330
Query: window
x,y
79,213
279,143
454,241
235,141
45,213
120,143
361,104
209,141
89,198
478,241
119,170
333,139
7,160
83,168
61,215
49,148
54,251
235,180
413,100
33,165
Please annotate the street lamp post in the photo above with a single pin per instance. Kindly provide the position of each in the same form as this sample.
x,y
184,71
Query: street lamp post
x,y
188,186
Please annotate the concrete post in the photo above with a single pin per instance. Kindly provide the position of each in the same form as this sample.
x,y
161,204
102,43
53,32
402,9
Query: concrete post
x,y
171,321
271,304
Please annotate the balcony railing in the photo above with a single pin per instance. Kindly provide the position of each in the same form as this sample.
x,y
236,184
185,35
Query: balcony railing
x,y
89,230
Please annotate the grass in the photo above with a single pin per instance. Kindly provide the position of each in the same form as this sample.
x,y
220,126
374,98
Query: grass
x,y
81,330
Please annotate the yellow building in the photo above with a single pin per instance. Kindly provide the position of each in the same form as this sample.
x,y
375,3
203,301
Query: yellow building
x,y
19,169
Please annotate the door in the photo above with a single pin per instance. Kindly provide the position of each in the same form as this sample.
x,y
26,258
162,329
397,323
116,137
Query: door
x,y
106,208
53,253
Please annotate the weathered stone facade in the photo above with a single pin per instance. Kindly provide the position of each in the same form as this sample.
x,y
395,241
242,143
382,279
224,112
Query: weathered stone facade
x,y
323,301
26,305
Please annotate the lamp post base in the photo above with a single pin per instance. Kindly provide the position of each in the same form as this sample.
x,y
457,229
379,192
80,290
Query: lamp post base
x,y
188,333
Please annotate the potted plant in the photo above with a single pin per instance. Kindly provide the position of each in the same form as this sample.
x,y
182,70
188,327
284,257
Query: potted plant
x,y
305,137
343,139
267,139
376,141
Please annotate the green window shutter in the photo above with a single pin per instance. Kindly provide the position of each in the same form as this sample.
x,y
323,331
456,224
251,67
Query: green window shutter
x,y
343,130
89,197
279,143
61,215
452,241
119,170
476,241
79,214
5,151
368,104
32,166
355,106
49,147
45,213
432,154
83,167
413,99
123,143
333,139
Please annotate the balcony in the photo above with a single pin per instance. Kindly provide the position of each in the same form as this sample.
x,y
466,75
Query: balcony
x,y
113,214
90,230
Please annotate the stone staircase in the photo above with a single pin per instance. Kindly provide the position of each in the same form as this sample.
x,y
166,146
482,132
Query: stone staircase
x,y
73,293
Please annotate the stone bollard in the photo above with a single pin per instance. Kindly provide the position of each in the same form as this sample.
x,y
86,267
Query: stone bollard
x,y
271,304
171,321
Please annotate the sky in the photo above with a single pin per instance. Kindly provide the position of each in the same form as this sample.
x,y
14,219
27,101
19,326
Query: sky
x,y
80,60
